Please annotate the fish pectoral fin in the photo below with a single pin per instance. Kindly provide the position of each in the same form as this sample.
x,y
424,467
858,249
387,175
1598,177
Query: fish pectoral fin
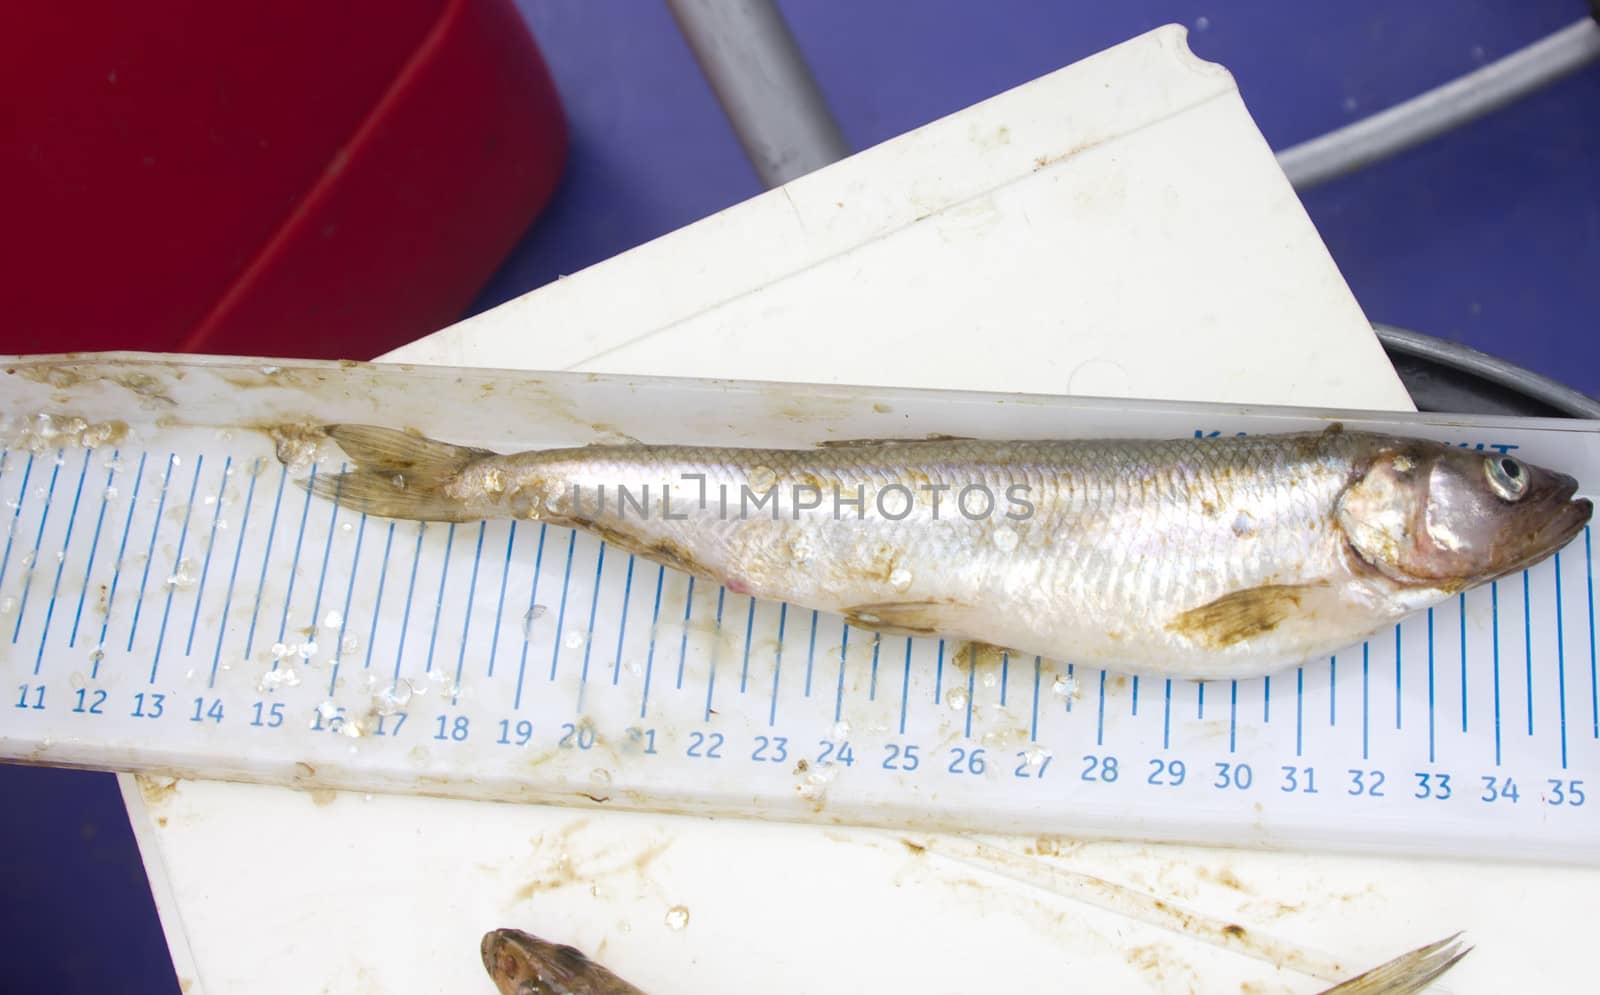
x,y
397,475
904,618
1240,615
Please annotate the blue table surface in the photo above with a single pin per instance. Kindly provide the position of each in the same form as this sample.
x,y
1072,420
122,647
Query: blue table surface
x,y
1489,236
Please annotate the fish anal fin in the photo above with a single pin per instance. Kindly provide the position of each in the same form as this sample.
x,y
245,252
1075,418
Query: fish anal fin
x,y
904,618
1241,615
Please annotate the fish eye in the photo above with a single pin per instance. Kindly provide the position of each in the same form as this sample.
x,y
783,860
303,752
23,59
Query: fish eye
x,y
1507,477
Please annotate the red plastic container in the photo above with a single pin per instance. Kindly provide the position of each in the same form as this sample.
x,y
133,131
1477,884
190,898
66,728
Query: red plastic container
x,y
296,178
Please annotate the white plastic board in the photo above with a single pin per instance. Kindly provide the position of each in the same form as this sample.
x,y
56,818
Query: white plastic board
x,y
283,641
265,890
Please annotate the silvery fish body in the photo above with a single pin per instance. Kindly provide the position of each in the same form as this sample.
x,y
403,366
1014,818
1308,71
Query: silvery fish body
x,y
1202,558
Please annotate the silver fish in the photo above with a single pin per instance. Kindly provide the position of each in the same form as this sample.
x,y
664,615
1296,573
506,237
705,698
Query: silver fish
x,y
1200,558
520,963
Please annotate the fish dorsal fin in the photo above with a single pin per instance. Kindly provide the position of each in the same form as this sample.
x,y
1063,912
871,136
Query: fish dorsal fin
x,y
1240,615
860,443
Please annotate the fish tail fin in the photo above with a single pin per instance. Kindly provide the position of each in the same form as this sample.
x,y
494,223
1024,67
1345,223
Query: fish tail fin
x,y
1408,973
398,475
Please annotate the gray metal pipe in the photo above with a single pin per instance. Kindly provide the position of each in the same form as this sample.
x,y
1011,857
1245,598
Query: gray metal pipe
x,y
755,68
1443,108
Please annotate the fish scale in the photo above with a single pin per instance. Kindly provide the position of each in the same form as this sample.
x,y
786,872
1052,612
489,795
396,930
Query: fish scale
x,y
534,663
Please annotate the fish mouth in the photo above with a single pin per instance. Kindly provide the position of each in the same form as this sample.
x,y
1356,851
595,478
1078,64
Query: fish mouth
x,y
489,948
1557,527
1566,525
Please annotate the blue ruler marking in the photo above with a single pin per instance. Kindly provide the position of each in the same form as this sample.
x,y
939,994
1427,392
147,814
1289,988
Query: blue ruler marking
x,y
438,602
650,656
1100,721
972,686
1397,667
1365,674
1461,605
622,625
777,665
294,566
16,514
344,616
1594,681
1299,710
205,569
1005,676
938,677
466,617
1033,720
838,692
1527,646
1135,695
233,575
1266,699
1430,687
116,571
1233,715
872,689
500,602
61,562
716,645
749,629
38,540
411,590
150,553
1561,663
377,601
177,564
683,642
1200,700
905,687
1494,614
1333,691
94,548
266,560
1166,717
811,653
561,612
327,552
527,623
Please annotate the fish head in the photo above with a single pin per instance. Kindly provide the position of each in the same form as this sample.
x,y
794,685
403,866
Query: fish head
x,y
522,964
1434,516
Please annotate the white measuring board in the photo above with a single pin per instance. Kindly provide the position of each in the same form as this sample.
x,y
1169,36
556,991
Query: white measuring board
x,y
171,600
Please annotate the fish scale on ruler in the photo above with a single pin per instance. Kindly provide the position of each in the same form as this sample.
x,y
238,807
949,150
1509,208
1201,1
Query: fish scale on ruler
x,y
181,606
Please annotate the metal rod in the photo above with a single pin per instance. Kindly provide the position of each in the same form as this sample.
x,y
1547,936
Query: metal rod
x,y
755,68
1436,111
1465,360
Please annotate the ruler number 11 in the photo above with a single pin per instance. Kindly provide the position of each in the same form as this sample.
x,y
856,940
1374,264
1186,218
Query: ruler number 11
x,y
31,696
